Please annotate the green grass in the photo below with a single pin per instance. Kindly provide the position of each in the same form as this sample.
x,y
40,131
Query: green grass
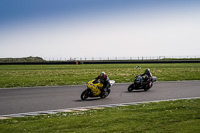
x,y
180,116
53,75
172,116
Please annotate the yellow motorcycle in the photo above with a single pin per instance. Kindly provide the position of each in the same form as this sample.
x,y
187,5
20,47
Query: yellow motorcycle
x,y
94,89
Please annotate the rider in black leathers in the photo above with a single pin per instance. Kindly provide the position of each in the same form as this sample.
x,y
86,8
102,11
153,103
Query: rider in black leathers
x,y
105,81
148,77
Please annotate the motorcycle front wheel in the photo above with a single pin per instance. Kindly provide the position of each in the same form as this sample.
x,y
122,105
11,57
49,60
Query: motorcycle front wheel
x,y
84,95
131,87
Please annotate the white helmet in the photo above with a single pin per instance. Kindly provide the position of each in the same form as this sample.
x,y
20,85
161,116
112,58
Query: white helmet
x,y
147,71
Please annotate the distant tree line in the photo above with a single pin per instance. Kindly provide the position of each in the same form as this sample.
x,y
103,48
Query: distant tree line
x,y
24,59
39,60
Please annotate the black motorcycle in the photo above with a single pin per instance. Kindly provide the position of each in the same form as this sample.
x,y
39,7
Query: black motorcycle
x,y
140,82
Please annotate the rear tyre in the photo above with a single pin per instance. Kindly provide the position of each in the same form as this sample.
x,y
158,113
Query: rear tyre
x,y
146,88
84,95
105,94
131,87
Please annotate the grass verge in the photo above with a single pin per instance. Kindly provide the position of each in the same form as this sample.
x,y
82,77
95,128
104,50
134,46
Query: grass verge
x,y
53,75
171,116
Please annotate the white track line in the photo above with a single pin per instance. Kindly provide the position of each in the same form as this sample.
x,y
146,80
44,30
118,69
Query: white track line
x,y
84,108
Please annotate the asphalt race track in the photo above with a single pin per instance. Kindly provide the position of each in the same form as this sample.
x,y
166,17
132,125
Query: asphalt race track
x,y
32,99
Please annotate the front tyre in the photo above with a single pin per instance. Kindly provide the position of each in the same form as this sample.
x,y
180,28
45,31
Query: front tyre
x,y
84,95
131,87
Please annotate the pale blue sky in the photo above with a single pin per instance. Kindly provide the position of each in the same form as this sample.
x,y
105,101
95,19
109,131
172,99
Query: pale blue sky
x,y
99,28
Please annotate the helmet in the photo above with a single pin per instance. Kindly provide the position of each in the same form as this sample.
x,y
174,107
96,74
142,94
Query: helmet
x,y
147,71
103,75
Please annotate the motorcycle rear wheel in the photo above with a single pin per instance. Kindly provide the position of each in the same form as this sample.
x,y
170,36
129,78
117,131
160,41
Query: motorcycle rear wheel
x,y
106,94
146,88
84,95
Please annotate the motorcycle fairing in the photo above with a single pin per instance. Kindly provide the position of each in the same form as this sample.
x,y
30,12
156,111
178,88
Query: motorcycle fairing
x,y
95,87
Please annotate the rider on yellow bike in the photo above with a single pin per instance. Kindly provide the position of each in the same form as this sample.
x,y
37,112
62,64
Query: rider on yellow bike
x,y
104,80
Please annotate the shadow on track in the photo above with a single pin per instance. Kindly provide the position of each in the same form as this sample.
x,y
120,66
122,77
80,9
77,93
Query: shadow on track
x,y
91,99
135,91
139,91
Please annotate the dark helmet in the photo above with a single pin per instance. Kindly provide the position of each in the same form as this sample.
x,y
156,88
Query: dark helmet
x,y
147,71
103,75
